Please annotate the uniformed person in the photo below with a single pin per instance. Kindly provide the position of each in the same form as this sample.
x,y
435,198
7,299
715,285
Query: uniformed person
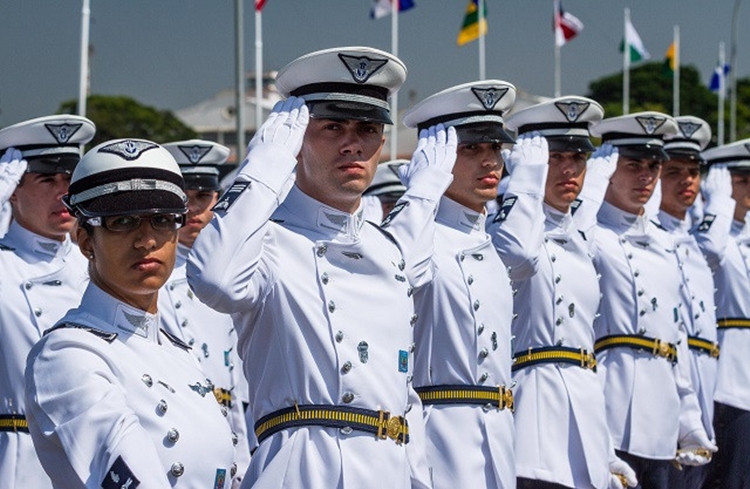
x,y
562,435
210,333
680,185
464,308
43,273
320,297
725,215
113,399
651,407
384,191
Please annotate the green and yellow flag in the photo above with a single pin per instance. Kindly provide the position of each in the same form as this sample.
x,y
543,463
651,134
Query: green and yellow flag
x,y
670,58
472,28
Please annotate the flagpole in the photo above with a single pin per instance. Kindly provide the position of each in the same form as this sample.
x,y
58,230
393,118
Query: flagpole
x,y
482,75
394,97
83,82
626,67
258,69
556,12
240,79
722,94
733,75
676,74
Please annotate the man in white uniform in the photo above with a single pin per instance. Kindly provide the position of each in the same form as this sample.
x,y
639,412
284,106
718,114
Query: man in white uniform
x,y
320,297
210,333
462,357
680,185
43,273
651,407
562,435
725,215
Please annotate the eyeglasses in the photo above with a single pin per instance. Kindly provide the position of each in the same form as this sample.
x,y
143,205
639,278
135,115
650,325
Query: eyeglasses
x,y
125,224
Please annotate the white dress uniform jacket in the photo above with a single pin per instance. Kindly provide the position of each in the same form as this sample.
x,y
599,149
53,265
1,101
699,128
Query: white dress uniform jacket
x,y
730,261
463,338
41,280
640,296
697,296
321,305
213,340
562,435
113,401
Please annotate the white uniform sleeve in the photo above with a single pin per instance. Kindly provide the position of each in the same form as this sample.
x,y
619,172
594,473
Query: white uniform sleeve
x,y
223,263
76,404
713,233
518,229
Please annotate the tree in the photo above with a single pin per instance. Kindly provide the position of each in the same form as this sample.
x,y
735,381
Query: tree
x,y
123,117
651,89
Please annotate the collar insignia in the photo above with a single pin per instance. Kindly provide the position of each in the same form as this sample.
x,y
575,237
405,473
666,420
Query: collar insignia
x,y
62,132
688,128
202,389
489,97
362,67
128,150
650,124
195,153
572,110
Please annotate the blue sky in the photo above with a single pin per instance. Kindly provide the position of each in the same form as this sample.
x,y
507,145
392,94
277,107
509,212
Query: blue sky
x,y
174,53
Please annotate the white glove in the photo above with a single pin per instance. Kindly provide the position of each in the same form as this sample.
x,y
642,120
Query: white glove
x,y
529,149
717,183
600,167
12,168
436,149
284,128
695,449
621,475
651,208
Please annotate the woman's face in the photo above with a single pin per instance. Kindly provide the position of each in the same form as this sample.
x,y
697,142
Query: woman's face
x,y
130,265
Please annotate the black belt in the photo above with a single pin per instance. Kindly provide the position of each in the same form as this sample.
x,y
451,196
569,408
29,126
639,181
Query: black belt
x,y
14,423
654,345
554,354
700,344
379,423
499,397
725,323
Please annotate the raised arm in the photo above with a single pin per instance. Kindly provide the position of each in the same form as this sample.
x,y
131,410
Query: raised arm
x,y
712,233
599,169
412,220
224,260
518,229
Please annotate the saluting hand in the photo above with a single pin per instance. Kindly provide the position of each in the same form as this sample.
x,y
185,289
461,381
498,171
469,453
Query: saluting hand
x,y
718,182
602,163
12,168
436,148
529,149
285,126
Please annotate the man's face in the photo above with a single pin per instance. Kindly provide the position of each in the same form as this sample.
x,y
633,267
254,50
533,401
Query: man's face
x,y
632,183
37,204
680,184
476,174
565,175
200,203
741,193
338,160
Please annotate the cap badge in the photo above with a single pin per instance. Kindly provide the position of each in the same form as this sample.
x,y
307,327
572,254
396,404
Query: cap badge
x,y
62,132
747,147
572,110
128,150
489,97
688,128
362,67
650,124
195,153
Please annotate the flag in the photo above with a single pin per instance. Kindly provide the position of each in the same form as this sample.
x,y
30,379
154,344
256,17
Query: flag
x,y
381,8
259,5
471,29
566,25
670,59
638,51
716,78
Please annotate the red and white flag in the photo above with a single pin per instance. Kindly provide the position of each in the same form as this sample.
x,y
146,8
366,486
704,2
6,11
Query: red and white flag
x,y
259,5
566,25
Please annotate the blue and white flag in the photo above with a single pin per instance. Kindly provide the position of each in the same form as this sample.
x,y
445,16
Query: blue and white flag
x,y
381,8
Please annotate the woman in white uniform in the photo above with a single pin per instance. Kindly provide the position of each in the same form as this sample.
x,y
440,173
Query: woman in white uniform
x,y
113,400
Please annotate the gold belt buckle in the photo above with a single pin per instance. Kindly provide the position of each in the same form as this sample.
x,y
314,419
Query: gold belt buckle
x,y
394,428
714,350
506,399
661,348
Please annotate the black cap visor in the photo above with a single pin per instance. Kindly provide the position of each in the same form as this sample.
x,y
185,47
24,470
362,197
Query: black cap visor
x,y
49,164
684,154
574,144
643,152
136,202
349,110
482,132
201,181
